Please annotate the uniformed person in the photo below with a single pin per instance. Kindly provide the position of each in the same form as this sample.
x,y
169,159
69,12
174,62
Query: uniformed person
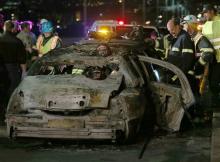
x,y
47,41
211,31
182,48
204,51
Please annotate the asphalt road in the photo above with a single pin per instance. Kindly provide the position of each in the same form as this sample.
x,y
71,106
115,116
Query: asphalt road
x,y
191,146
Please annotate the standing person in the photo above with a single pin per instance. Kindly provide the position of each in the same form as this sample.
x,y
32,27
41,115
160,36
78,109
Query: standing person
x,y
203,48
16,28
211,31
12,56
180,54
47,41
29,40
182,49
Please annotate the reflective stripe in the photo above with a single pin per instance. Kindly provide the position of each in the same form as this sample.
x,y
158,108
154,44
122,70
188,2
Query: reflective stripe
x,y
206,50
201,61
157,49
46,47
77,71
54,42
215,40
174,78
175,49
198,76
187,50
197,38
198,54
217,47
39,42
190,72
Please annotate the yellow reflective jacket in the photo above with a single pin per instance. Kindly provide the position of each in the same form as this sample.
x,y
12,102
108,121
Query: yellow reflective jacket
x,y
212,32
51,44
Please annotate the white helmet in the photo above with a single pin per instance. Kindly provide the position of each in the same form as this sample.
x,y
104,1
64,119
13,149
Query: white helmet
x,y
189,19
43,21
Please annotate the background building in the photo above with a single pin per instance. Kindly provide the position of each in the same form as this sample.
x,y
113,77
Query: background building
x,y
65,13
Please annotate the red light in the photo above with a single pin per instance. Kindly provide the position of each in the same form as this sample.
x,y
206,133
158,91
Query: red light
x,y
121,22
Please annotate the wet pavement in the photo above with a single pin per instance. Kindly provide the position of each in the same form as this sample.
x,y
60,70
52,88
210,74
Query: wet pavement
x,y
190,146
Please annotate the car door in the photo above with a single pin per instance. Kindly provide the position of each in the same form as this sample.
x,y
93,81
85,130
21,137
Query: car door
x,y
171,101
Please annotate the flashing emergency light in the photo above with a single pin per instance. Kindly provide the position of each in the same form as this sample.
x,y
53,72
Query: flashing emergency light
x,y
121,22
103,31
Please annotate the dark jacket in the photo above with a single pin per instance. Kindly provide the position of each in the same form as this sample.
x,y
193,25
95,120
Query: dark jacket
x,y
12,50
205,53
182,52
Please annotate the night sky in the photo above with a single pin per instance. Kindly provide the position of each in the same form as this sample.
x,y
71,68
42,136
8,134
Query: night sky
x,y
66,11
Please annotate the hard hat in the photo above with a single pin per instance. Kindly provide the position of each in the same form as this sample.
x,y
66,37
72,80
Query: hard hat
x,y
47,27
43,21
189,19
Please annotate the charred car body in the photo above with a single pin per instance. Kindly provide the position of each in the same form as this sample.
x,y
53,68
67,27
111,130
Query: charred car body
x,y
94,91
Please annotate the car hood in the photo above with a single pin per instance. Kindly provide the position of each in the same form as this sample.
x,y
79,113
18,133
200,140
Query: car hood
x,y
67,92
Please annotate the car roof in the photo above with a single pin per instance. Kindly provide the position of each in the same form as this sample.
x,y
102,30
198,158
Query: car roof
x,y
84,52
112,23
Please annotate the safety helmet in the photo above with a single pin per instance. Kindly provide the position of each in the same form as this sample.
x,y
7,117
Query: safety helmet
x,y
190,19
47,27
43,21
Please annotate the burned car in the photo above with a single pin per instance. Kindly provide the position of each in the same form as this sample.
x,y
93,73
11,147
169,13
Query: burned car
x,y
94,90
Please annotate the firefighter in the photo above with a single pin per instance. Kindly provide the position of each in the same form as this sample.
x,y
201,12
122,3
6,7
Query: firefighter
x,y
204,51
47,41
211,31
182,50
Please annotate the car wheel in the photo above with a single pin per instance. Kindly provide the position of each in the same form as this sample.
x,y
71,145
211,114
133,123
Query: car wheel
x,y
130,134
